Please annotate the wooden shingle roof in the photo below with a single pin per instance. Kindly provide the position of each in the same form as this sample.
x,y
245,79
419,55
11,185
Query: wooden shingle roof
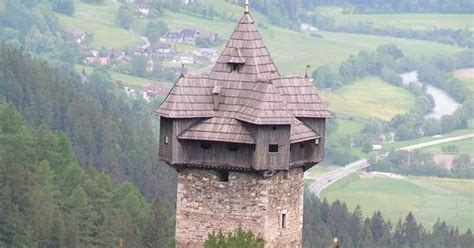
x,y
301,97
245,44
219,129
255,93
299,132
190,97
264,106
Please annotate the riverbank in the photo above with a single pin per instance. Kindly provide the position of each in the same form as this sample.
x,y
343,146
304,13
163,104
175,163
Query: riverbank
x,y
444,104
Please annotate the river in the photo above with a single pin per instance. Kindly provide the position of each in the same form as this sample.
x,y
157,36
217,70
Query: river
x,y
444,104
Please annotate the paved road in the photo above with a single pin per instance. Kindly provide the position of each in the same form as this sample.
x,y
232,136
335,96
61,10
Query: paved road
x,y
325,180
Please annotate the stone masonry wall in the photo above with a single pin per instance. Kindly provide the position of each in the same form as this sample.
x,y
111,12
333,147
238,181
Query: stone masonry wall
x,y
206,204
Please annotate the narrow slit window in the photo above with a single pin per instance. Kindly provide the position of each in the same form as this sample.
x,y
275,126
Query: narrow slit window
x,y
166,140
283,221
273,148
223,176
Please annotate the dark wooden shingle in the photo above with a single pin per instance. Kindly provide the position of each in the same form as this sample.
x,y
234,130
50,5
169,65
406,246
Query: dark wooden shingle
x,y
250,90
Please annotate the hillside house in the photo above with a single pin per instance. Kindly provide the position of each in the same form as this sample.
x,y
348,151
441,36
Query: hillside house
x,y
78,35
163,50
143,10
210,36
186,35
188,2
171,37
184,59
210,53
189,35
153,90
131,92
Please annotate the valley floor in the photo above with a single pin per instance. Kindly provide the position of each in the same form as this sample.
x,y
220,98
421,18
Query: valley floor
x,y
428,198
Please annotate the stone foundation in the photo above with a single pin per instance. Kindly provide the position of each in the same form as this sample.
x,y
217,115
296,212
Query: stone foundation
x,y
272,207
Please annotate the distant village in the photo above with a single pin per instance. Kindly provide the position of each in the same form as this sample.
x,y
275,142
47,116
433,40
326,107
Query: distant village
x,y
164,55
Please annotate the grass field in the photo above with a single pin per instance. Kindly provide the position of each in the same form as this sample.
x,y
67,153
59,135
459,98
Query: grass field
x,y
465,147
100,20
127,80
319,170
408,21
293,50
370,98
466,76
401,144
428,198
349,127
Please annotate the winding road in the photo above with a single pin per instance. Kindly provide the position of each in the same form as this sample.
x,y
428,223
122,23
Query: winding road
x,y
327,179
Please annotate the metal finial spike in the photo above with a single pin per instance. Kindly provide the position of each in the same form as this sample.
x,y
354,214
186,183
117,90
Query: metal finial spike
x,y
246,7
182,70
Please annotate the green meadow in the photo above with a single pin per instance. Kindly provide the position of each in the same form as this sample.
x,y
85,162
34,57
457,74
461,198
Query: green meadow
x,y
466,76
100,20
125,79
428,198
319,170
292,50
400,144
465,147
406,21
468,83
349,127
368,98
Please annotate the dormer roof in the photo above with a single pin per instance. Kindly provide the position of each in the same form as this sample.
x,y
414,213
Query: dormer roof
x,y
245,45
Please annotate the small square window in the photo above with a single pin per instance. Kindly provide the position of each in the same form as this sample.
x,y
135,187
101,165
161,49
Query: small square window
x,y
223,176
301,145
273,148
166,140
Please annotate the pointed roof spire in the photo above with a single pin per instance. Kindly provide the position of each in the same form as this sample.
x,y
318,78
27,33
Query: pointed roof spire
x,y
246,48
246,6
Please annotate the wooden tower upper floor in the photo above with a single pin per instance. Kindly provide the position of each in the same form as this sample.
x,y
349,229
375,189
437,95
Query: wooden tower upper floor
x,y
244,115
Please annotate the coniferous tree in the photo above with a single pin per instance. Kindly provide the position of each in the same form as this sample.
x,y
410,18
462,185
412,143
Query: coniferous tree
x,y
158,228
237,239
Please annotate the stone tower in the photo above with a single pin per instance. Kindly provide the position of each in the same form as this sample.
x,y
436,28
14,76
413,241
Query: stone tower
x,y
240,139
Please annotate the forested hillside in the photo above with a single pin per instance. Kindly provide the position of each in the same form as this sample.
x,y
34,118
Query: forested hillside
x,y
34,25
47,200
107,132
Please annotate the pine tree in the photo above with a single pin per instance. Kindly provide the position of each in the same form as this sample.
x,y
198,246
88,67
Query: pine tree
x,y
357,219
380,230
412,233
42,205
237,239
365,239
158,229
